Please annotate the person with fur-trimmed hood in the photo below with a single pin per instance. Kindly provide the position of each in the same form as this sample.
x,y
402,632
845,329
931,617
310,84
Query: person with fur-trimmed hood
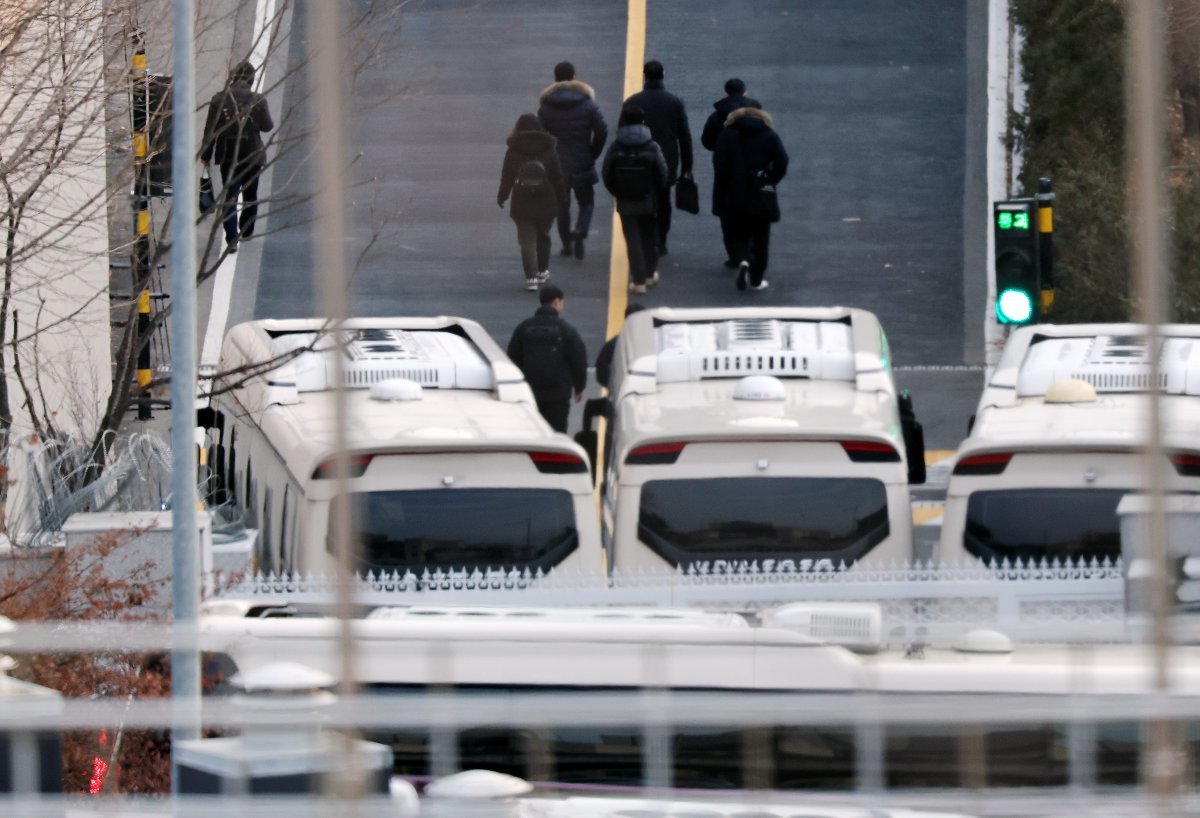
x,y
568,110
748,163
735,97
532,176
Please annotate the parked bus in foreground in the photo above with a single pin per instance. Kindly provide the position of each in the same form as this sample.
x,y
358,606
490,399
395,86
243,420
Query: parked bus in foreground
x,y
1057,440
772,436
450,465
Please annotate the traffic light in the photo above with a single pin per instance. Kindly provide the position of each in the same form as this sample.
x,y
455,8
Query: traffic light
x,y
1018,276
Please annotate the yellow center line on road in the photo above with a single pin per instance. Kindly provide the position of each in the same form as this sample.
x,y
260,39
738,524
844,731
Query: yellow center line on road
x,y
935,456
618,264
618,261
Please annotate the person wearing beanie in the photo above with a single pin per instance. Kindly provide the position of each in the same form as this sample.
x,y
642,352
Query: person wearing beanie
x,y
568,111
667,119
634,172
735,97
748,163
531,174
551,355
237,119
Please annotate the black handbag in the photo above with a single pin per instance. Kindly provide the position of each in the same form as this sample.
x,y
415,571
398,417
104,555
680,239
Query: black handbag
x,y
687,195
768,200
207,201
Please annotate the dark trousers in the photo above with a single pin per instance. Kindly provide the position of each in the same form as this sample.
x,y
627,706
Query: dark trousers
x,y
556,413
663,219
533,235
751,241
244,183
585,195
730,250
641,240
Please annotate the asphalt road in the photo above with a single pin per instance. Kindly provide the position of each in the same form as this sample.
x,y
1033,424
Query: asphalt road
x,y
877,103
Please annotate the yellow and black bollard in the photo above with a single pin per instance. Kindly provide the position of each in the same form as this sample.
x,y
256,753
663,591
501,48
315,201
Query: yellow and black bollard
x,y
140,263
1045,205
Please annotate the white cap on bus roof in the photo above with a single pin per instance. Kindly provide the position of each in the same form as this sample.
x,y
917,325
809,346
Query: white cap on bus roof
x,y
759,387
1070,390
478,784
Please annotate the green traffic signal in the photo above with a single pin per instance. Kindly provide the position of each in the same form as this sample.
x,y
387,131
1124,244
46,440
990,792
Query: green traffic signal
x,y
1016,261
1014,306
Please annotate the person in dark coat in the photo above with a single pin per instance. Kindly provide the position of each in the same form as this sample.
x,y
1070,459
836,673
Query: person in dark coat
x,y
569,112
532,176
667,119
635,172
749,157
735,97
605,358
551,354
237,119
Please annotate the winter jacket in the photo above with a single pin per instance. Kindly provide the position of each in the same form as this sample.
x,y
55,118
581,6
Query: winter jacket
x,y
239,142
747,146
668,123
551,354
542,204
635,139
722,108
568,110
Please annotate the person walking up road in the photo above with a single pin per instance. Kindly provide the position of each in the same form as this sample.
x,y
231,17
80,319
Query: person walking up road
x,y
735,97
531,174
749,162
237,119
569,112
634,172
551,354
667,119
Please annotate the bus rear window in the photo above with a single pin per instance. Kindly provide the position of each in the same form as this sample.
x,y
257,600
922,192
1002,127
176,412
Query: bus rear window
x,y
456,529
1043,524
760,518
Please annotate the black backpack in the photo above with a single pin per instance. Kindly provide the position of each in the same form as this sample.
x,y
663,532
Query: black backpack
x,y
232,131
542,354
632,173
532,177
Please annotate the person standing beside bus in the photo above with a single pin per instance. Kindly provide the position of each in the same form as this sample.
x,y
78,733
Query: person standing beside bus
x,y
552,356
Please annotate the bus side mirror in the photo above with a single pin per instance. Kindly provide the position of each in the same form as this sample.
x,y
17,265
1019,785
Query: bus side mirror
x,y
914,439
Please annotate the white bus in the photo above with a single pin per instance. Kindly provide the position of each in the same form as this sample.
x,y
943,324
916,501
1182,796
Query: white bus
x,y
757,435
451,466
1056,442
725,701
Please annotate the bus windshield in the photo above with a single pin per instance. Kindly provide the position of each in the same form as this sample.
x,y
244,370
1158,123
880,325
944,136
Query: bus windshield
x,y
756,518
1043,524
456,529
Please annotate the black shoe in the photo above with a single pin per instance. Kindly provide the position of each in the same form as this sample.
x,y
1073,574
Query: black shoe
x,y
743,271
730,263
231,245
579,247
566,251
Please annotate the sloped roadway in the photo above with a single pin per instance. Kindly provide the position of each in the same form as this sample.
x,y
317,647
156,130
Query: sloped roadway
x,y
877,103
